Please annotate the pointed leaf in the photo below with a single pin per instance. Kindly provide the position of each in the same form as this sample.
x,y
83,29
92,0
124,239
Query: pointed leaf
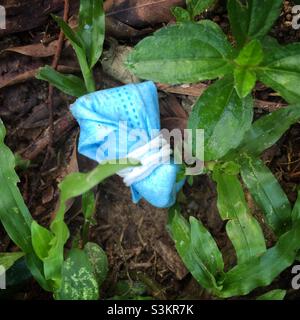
x,y
252,20
183,53
41,239
72,186
79,47
92,29
224,117
196,7
281,70
276,294
251,54
243,229
68,84
268,130
181,14
192,256
244,81
205,247
261,271
7,260
267,193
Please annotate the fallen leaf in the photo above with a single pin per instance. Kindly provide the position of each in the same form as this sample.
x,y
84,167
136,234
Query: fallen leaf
x,y
37,50
141,13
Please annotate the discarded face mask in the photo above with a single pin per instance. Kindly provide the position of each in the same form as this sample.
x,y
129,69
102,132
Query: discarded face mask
x,y
124,122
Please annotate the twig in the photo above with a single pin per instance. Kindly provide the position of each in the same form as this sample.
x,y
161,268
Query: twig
x,y
50,93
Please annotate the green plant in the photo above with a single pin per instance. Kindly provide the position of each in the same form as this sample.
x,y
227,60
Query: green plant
x,y
84,270
87,42
189,52
80,275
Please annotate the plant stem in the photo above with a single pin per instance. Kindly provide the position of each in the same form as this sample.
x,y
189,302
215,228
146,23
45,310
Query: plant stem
x,y
89,80
85,231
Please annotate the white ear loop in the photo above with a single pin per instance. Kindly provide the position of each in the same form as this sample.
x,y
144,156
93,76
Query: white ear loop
x,y
151,155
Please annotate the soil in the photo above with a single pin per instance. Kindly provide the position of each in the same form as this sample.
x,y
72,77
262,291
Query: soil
x,y
134,237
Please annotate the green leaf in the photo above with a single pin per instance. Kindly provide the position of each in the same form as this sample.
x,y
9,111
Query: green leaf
x,y
197,250
79,47
68,84
253,20
183,53
267,193
224,117
242,228
72,186
206,248
196,7
98,260
78,280
276,294
296,209
88,204
14,215
7,260
92,29
244,81
266,131
181,14
281,70
41,239
261,271
251,54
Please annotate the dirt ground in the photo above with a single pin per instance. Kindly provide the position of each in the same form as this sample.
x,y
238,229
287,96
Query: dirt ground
x,y
134,236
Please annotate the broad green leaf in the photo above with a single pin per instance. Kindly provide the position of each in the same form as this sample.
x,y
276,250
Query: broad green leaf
x,y
276,294
7,260
281,70
197,7
41,238
242,228
245,80
79,47
194,252
205,247
267,193
78,280
68,84
252,20
296,209
14,215
266,131
183,53
72,186
224,117
251,55
88,204
181,14
98,260
92,29
261,271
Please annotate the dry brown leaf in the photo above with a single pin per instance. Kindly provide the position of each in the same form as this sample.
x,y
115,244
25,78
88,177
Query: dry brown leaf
x,y
37,50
